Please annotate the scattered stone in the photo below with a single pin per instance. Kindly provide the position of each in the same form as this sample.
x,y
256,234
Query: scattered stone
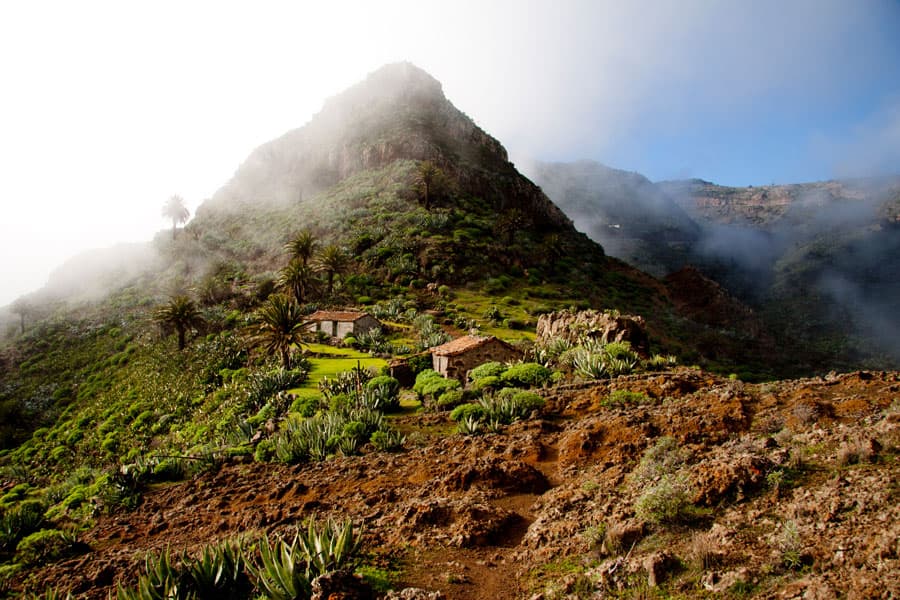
x,y
659,567
414,594
341,585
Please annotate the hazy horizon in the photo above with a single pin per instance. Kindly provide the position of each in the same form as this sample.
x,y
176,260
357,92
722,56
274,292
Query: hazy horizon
x,y
110,108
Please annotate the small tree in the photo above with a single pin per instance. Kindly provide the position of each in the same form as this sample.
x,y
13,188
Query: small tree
x,y
431,182
181,313
279,327
175,209
332,260
298,279
302,247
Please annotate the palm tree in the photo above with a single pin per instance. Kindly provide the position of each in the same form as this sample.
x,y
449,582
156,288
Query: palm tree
x,y
298,278
332,260
175,209
280,326
181,313
302,247
430,181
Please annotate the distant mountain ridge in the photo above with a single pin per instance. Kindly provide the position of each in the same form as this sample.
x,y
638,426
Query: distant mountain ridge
x,y
629,215
813,258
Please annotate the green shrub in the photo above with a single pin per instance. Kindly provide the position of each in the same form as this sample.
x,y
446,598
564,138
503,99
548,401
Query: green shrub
x,y
464,411
489,383
385,380
382,393
305,407
526,374
528,401
430,385
625,397
449,399
488,369
16,523
44,546
388,440
667,502
265,451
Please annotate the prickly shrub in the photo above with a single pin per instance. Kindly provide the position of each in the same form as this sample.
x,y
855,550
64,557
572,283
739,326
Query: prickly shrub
x,y
665,457
262,386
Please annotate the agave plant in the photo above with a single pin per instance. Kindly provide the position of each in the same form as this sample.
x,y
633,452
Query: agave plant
x,y
589,364
328,547
218,572
620,366
470,425
161,581
281,572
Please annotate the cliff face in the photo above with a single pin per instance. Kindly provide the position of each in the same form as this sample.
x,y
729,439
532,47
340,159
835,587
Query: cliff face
x,y
774,206
398,113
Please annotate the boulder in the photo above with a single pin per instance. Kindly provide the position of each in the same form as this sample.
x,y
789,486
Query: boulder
x,y
603,326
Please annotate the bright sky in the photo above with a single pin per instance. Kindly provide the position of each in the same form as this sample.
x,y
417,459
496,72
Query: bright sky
x,y
109,108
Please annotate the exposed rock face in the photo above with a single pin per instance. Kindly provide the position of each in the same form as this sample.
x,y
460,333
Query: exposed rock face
x,y
603,326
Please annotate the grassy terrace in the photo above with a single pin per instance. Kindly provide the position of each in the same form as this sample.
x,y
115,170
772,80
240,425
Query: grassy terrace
x,y
328,362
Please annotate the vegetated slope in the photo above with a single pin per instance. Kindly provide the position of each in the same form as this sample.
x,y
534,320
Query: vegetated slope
x,y
350,175
120,408
774,489
809,258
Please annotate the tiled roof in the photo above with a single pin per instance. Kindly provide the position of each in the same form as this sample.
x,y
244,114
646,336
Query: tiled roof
x,y
336,315
461,344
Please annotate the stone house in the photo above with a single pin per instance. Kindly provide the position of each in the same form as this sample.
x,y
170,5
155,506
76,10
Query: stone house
x,y
456,358
340,324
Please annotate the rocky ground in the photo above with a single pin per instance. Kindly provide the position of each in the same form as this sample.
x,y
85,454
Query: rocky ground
x,y
793,492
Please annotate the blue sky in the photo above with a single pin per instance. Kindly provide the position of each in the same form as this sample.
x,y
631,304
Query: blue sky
x,y
110,107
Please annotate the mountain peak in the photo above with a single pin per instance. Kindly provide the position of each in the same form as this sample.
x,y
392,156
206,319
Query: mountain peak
x,y
399,112
394,85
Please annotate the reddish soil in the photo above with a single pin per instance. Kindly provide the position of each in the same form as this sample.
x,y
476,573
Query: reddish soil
x,y
515,515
